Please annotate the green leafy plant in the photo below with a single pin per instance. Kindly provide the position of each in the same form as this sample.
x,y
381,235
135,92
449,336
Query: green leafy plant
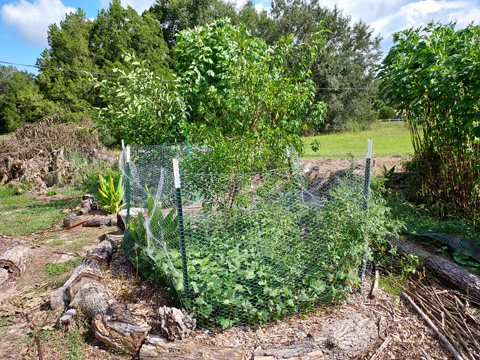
x,y
418,75
111,193
52,192
388,174
386,112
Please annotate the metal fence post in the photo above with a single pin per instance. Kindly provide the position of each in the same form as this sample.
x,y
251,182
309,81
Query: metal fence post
x,y
366,198
181,233
368,175
127,184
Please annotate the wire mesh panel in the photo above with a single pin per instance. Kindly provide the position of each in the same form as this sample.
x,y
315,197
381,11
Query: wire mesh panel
x,y
256,246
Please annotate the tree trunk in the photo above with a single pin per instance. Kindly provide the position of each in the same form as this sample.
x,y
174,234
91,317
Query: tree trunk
x,y
344,339
446,270
16,260
156,347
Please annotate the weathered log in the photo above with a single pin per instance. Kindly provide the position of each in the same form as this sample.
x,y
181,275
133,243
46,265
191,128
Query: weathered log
x,y
101,221
176,324
119,334
85,268
16,260
156,347
70,219
3,275
111,320
343,339
103,252
85,207
444,269
84,291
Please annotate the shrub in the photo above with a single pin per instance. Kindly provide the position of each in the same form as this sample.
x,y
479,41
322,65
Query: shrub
x,y
386,112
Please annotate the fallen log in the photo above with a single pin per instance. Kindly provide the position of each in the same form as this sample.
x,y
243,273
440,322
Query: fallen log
x,y
444,269
84,290
156,347
101,221
86,268
103,252
343,339
16,260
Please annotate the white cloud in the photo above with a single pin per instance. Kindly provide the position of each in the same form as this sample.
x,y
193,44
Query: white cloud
x,y
139,5
32,19
389,16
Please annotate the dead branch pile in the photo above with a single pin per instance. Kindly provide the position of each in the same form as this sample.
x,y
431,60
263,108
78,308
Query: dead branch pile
x,y
36,152
451,315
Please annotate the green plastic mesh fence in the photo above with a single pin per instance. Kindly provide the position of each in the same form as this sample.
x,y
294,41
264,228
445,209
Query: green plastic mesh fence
x,y
246,247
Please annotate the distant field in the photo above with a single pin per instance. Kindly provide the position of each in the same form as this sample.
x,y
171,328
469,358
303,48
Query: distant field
x,y
391,138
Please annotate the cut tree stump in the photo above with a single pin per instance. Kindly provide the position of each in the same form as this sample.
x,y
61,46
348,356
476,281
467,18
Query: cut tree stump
x,y
176,324
119,334
444,269
156,347
343,339
16,260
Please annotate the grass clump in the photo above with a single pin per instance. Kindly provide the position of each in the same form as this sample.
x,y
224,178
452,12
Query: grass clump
x,y
52,270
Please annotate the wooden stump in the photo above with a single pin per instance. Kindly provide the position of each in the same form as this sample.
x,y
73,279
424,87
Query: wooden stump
x,y
156,347
176,324
16,260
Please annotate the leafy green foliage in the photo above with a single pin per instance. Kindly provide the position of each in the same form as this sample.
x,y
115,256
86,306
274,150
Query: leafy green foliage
x,y
431,74
96,46
20,100
252,266
386,112
141,107
344,70
111,193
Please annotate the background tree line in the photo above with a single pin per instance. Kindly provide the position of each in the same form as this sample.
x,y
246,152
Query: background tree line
x,y
343,70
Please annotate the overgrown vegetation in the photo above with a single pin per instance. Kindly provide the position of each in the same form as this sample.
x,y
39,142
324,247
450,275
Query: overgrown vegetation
x,y
262,255
430,74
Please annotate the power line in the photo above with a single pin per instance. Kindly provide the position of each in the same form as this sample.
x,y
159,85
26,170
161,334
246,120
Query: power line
x,y
57,69
114,75
40,67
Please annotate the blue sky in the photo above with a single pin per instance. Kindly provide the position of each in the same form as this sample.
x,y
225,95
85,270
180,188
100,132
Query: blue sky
x,y
24,23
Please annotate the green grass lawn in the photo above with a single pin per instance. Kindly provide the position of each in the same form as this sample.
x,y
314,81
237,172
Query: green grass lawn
x,y
388,139
21,214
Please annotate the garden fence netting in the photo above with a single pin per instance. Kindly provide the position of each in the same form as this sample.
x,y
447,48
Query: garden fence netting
x,y
245,247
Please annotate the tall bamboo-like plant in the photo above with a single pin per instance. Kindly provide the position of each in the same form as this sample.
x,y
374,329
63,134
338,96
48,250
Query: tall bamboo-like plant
x,y
432,75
